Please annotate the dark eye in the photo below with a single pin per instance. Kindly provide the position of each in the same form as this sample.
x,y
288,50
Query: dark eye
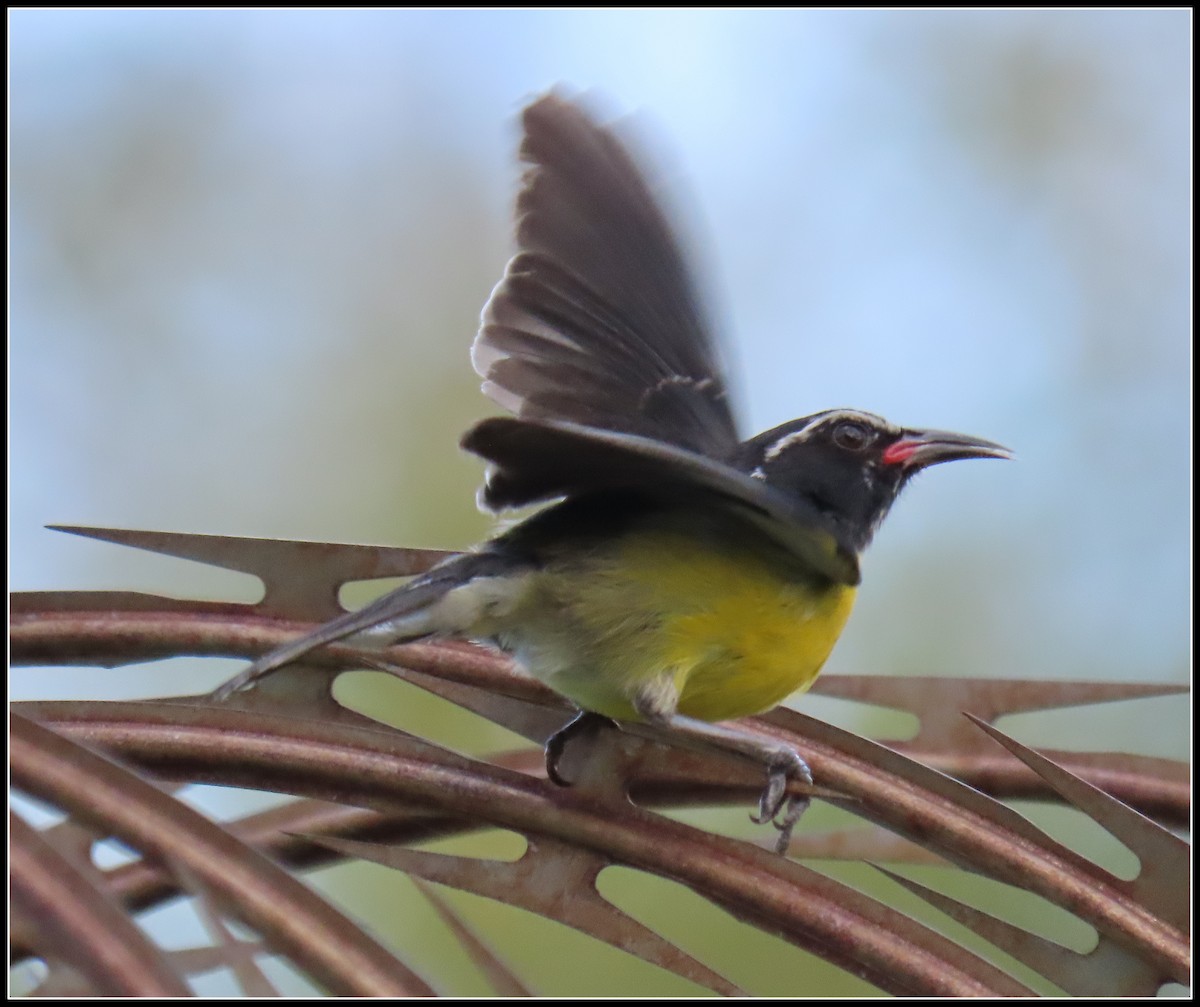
x,y
852,436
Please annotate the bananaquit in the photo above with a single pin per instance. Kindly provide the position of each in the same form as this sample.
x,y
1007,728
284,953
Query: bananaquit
x,y
680,575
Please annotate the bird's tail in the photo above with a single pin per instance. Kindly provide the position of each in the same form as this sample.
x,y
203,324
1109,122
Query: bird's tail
x,y
408,613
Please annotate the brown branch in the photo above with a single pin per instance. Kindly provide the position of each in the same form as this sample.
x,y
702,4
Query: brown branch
x,y
61,771
382,769
61,629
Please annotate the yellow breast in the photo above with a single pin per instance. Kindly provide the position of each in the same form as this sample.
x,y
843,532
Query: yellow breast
x,y
736,629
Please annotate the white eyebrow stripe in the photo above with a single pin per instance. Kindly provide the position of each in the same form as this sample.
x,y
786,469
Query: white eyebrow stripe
x,y
819,420
786,441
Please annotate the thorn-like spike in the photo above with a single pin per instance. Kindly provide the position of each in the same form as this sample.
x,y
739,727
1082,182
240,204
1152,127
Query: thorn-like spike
x,y
302,579
1004,696
555,867
1077,974
503,980
1165,858
935,700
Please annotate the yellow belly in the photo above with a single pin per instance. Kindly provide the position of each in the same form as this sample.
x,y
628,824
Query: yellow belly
x,y
735,630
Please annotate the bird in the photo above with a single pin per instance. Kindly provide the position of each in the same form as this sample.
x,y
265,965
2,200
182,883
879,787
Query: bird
x,y
676,574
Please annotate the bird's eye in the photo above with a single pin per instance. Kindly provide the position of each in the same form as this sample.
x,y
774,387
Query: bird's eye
x,y
852,436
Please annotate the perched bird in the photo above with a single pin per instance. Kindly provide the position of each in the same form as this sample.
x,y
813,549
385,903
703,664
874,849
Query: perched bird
x,y
680,575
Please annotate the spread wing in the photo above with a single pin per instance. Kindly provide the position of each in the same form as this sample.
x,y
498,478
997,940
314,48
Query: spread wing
x,y
596,340
596,321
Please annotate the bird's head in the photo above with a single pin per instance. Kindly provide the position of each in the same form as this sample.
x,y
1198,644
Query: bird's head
x,y
851,465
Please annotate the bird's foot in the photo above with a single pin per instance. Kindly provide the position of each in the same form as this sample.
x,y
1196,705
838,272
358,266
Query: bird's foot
x,y
557,742
776,805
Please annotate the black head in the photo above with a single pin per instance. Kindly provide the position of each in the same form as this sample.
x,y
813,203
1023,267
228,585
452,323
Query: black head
x,y
851,465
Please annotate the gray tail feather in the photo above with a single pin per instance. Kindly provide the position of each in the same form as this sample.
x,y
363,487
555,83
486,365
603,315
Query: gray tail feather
x,y
410,599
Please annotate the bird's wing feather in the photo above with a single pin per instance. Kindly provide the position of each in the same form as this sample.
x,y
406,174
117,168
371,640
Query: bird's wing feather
x,y
535,461
596,320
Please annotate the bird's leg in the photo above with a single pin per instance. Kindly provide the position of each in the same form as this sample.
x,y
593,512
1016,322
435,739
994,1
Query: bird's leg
x,y
783,763
557,742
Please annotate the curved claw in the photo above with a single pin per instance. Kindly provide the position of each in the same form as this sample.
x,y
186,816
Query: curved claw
x,y
775,806
557,742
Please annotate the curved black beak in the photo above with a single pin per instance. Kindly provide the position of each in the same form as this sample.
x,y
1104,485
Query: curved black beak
x,y
918,449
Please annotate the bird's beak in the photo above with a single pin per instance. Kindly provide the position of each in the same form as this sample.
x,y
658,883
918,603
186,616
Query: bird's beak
x,y
917,449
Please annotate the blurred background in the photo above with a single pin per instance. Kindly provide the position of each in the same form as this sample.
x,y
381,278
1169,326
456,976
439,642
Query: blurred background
x,y
249,250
